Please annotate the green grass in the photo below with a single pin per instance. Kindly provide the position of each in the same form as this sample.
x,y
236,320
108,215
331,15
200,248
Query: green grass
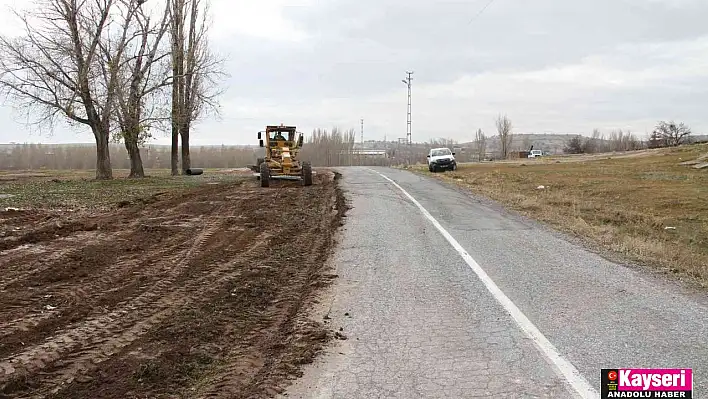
x,y
79,189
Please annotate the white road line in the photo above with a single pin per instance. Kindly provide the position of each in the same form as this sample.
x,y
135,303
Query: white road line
x,y
563,367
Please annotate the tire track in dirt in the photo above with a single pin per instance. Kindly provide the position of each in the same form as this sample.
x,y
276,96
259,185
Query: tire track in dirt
x,y
244,363
93,292
50,237
46,233
89,359
77,294
65,295
93,329
21,262
237,249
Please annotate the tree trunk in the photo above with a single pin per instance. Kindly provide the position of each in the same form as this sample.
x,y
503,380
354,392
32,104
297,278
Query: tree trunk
x,y
177,79
174,158
103,156
136,162
186,159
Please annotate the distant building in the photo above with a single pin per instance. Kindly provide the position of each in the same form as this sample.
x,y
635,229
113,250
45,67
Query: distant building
x,y
368,152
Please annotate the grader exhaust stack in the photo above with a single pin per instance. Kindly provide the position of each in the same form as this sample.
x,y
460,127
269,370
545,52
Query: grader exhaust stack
x,y
281,161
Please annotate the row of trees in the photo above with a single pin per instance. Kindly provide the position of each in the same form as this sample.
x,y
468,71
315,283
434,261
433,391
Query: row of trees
x,y
323,148
665,134
77,157
618,140
116,67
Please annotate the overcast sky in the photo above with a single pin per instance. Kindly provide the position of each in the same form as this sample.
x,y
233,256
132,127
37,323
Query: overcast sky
x,y
553,66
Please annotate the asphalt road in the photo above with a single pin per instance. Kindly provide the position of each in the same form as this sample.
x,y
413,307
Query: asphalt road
x,y
421,321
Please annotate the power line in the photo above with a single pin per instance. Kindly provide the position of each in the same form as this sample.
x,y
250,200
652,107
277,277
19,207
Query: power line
x,y
481,11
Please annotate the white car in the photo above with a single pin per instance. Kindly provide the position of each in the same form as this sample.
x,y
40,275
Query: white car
x,y
441,159
535,153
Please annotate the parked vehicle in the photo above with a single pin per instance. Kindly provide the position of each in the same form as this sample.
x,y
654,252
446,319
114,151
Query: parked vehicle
x,y
535,153
441,159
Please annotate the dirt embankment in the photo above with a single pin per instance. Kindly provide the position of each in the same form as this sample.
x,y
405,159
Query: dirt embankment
x,y
201,293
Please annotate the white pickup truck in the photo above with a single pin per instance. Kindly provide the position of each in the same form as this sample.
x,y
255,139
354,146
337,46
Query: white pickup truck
x,y
535,153
441,159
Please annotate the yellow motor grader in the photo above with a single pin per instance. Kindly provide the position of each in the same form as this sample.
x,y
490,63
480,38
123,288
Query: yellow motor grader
x,y
281,159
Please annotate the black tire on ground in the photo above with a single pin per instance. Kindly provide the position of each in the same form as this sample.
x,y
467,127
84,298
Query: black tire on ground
x,y
265,175
306,174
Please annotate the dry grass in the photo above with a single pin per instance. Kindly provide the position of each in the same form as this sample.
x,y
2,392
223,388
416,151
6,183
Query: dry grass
x,y
623,203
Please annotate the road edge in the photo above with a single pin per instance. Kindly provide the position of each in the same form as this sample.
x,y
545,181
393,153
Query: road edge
x,y
686,284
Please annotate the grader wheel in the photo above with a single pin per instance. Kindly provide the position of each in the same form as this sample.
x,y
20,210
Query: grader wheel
x,y
265,175
306,174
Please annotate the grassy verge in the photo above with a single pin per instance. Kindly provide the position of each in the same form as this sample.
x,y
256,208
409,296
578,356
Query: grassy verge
x,y
643,205
78,189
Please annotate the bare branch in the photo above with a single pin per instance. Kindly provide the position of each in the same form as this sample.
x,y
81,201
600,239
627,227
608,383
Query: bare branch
x,y
53,72
670,133
504,127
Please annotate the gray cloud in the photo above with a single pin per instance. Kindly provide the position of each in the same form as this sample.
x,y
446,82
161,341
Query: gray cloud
x,y
557,66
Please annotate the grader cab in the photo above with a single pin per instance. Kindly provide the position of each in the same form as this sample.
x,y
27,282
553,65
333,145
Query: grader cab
x,y
282,145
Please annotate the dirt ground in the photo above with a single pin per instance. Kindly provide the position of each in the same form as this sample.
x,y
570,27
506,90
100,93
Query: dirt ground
x,y
202,292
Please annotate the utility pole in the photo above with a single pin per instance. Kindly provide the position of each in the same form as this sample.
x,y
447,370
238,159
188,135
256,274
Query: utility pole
x,y
362,133
407,81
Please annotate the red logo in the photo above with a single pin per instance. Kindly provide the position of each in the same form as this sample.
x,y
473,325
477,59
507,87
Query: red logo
x,y
612,375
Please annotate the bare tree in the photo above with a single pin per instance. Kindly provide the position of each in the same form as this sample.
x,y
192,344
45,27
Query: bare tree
x,y
143,74
574,145
505,135
177,34
53,69
593,144
671,133
655,140
333,148
443,142
631,142
526,143
195,70
623,141
480,141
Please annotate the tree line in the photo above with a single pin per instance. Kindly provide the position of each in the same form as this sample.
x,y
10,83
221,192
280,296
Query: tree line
x,y
665,134
77,157
120,68
322,147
